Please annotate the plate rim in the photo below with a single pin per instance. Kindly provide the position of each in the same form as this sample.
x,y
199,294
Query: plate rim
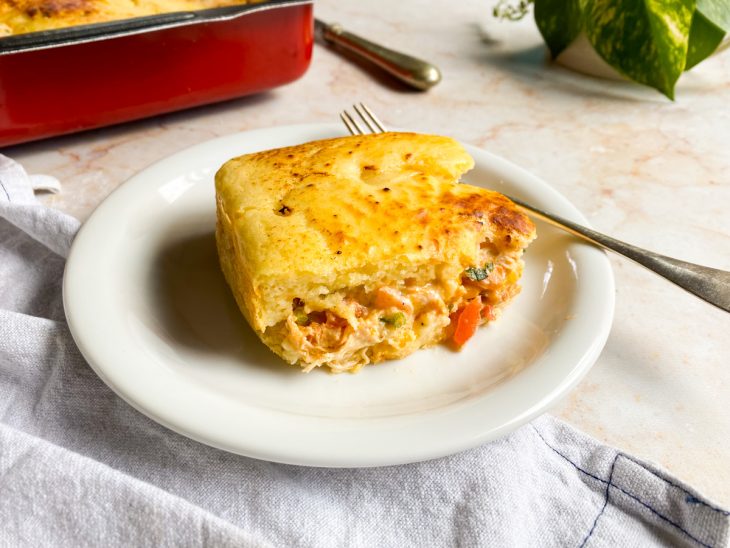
x,y
580,369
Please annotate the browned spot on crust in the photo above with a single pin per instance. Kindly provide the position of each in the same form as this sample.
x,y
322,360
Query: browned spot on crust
x,y
471,204
496,207
510,219
339,239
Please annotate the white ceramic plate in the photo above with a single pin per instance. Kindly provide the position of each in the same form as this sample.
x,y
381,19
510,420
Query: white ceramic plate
x,y
150,311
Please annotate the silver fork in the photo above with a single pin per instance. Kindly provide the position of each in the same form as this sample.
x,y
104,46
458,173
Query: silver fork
x,y
709,284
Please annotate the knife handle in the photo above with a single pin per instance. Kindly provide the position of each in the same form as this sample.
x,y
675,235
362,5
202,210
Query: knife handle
x,y
414,72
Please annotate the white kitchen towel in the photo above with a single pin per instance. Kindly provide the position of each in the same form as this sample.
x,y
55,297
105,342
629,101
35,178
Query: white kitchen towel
x,y
79,467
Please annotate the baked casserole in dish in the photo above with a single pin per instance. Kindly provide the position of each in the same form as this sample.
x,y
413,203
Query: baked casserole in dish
x,y
72,65
22,16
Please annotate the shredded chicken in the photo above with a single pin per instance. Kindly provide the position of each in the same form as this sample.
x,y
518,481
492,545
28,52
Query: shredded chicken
x,y
327,333
324,337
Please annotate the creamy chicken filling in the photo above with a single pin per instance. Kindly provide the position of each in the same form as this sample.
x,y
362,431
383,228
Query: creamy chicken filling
x,y
316,337
341,337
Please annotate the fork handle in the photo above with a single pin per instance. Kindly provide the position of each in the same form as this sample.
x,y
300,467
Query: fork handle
x,y
414,72
710,284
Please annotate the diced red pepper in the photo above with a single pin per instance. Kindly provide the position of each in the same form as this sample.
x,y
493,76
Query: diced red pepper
x,y
466,320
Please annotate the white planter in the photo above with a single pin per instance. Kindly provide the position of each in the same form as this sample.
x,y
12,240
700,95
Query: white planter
x,y
581,57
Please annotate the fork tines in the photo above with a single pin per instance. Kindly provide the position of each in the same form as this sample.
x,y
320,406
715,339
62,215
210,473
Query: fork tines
x,y
367,116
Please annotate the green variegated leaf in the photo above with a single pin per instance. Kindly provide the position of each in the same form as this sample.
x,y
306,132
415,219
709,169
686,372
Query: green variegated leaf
x,y
559,22
649,41
704,37
646,40
717,11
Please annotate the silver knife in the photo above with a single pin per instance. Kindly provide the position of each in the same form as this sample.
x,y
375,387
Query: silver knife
x,y
414,72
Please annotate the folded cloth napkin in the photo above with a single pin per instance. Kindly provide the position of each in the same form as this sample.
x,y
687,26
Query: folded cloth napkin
x,y
79,467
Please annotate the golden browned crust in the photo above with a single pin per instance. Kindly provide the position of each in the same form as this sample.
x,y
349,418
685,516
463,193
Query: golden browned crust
x,y
337,219
22,16
51,8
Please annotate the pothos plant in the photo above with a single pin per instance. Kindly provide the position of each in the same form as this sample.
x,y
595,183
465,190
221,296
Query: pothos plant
x,y
650,41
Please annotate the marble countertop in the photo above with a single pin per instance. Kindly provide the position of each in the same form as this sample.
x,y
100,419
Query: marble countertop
x,y
646,170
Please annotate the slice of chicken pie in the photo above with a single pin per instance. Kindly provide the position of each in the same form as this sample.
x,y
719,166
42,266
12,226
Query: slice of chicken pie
x,y
354,250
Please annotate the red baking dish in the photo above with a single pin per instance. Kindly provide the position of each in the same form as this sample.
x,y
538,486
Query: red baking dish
x,y
67,80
